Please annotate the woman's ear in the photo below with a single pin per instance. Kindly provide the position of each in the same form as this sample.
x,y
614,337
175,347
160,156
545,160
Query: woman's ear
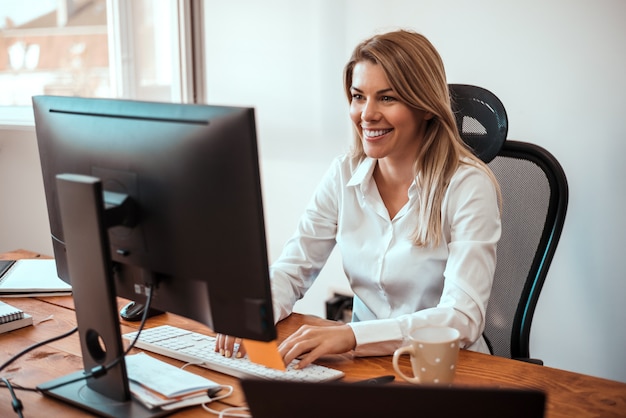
x,y
428,116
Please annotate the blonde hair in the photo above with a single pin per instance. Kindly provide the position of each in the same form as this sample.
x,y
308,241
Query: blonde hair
x,y
416,73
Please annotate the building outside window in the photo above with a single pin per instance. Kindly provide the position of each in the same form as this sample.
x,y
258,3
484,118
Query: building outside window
x,y
95,48
61,51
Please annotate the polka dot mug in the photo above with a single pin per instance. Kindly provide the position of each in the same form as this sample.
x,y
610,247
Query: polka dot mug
x,y
433,353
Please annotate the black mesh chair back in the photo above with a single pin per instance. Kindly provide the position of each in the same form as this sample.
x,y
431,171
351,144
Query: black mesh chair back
x,y
534,203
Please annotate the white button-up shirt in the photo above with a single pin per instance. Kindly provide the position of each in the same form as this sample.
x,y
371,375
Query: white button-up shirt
x,y
397,286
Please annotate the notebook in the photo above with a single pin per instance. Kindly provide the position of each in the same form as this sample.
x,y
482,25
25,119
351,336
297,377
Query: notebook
x,y
9,313
31,277
13,318
280,399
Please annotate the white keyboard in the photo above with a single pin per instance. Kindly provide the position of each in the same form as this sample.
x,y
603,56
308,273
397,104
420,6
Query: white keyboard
x,y
192,347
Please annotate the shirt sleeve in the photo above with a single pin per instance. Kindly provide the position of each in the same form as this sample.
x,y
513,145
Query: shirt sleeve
x,y
471,228
307,251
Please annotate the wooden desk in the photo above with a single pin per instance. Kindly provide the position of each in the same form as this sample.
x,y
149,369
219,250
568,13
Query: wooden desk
x,y
568,394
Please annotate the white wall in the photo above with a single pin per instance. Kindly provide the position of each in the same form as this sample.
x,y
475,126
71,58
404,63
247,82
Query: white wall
x,y
285,58
557,65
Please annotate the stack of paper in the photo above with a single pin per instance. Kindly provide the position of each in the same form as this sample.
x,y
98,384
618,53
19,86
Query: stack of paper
x,y
157,384
32,277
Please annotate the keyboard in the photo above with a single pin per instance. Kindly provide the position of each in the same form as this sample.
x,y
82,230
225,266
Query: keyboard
x,y
198,349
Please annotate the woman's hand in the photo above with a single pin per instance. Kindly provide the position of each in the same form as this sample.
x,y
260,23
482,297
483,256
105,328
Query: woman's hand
x,y
229,346
311,342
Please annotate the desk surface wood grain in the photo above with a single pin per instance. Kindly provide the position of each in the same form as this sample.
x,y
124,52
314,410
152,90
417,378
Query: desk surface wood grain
x,y
568,394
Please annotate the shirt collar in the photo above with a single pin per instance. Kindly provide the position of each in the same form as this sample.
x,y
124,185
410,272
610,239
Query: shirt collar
x,y
363,172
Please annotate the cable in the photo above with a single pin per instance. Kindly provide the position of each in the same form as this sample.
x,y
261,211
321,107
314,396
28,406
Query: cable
x,y
226,395
93,373
16,403
227,412
98,371
236,412
37,345
233,411
144,317
25,389
67,334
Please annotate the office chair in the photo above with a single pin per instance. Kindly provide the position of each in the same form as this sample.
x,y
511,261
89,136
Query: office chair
x,y
534,203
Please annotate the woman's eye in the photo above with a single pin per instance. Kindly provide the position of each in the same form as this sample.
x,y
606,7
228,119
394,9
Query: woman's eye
x,y
387,99
356,96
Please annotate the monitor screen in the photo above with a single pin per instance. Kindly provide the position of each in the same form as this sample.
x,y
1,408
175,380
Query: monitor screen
x,y
191,173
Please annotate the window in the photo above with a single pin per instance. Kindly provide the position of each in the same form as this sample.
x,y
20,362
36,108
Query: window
x,y
136,49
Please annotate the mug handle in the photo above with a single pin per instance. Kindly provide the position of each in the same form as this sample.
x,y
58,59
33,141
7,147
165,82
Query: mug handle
x,y
396,356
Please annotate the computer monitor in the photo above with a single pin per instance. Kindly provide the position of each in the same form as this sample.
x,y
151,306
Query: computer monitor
x,y
146,193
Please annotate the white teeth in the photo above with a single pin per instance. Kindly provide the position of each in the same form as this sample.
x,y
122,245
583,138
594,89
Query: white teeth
x,y
375,133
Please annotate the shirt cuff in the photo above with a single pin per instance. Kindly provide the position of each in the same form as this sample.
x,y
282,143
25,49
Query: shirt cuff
x,y
367,332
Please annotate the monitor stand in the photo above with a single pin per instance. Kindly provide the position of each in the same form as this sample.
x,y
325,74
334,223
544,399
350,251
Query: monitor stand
x,y
85,226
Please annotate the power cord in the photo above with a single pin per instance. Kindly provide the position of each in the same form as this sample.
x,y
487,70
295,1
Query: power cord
x,y
16,403
99,371
236,412
93,373
142,324
233,411
37,345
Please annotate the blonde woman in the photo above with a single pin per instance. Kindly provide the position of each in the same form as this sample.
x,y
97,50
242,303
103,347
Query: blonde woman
x,y
414,213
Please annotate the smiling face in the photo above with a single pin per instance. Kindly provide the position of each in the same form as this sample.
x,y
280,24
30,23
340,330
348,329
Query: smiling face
x,y
387,126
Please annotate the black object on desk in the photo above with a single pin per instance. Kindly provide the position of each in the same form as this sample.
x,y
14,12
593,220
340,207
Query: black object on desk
x,y
379,380
5,265
133,312
284,399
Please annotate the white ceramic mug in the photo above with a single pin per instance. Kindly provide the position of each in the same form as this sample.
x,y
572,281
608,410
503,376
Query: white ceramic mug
x,y
433,352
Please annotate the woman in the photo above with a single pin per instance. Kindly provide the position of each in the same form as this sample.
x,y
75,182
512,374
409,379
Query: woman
x,y
415,214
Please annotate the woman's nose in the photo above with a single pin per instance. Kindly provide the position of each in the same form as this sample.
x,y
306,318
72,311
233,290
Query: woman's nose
x,y
369,111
